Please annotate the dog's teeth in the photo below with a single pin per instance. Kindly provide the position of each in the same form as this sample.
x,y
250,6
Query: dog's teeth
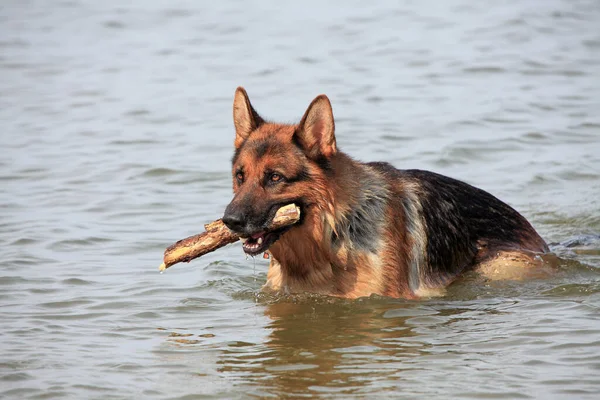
x,y
259,241
243,240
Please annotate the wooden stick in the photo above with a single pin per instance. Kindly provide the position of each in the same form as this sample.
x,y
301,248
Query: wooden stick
x,y
218,235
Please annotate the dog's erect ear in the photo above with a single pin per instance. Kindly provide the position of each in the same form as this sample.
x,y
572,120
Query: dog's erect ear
x,y
316,131
245,118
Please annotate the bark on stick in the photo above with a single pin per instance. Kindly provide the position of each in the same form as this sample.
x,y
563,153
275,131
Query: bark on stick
x,y
218,235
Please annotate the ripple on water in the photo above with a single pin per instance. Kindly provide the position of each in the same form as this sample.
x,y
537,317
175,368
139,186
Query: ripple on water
x,y
113,305
78,282
134,142
574,289
535,137
24,242
21,281
64,304
157,172
69,245
71,317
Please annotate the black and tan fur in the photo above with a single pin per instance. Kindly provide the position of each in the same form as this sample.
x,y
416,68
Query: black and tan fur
x,y
366,228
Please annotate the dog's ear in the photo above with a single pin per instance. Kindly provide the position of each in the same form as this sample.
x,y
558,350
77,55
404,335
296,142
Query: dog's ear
x,y
245,119
316,131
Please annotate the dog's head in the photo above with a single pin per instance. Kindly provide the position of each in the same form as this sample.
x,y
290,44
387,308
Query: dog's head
x,y
274,165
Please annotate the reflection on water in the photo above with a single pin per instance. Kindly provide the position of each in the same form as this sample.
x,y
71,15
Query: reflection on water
x,y
116,138
323,347
328,346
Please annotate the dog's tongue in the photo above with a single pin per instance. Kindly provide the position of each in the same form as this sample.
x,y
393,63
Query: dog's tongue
x,y
257,235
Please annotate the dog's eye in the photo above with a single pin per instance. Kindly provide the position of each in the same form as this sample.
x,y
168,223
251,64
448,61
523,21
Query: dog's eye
x,y
276,177
240,177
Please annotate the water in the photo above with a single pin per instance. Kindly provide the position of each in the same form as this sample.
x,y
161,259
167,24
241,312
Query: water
x,y
116,136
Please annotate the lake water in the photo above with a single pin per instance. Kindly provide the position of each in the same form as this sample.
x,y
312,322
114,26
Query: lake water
x,y
116,135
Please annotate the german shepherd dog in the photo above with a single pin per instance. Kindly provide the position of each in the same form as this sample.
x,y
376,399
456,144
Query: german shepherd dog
x,y
365,228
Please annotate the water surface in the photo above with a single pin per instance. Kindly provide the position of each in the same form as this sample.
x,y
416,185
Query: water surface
x,y
116,135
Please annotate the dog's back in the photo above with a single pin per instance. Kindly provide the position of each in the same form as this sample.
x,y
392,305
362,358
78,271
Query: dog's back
x,y
453,226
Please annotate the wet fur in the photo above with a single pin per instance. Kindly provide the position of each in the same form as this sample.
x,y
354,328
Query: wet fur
x,y
367,228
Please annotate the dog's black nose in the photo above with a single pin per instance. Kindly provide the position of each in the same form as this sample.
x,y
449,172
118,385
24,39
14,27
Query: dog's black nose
x,y
234,221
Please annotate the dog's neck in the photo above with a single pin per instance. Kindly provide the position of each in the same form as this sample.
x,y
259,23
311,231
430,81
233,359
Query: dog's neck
x,y
360,210
317,253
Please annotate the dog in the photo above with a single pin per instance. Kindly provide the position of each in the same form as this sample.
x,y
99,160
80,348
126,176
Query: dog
x,y
365,228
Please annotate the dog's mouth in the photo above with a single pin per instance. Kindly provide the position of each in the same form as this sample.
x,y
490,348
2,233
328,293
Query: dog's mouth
x,y
261,241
